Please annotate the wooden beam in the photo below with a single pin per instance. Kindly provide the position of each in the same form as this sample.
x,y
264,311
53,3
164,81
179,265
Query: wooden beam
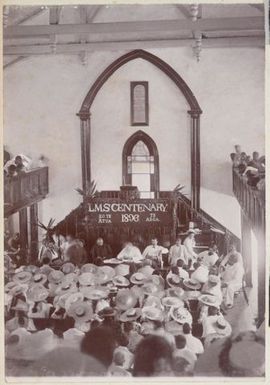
x,y
224,24
16,60
75,48
34,232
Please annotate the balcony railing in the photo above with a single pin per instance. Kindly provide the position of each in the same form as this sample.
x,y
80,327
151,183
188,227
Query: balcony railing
x,y
251,200
25,189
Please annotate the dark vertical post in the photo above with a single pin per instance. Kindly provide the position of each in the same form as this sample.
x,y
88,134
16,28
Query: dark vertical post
x,y
246,247
195,160
261,276
85,148
23,228
34,231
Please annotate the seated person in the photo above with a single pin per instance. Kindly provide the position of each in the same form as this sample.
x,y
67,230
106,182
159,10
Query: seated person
x,y
200,273
184,352
209,257
130,253
213,286
192,343
232,279
100,251
154,252
232,250
177,252
48,250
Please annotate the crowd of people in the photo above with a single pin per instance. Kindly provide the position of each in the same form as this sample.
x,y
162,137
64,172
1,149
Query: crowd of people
x,y
20,163
159,312
251,167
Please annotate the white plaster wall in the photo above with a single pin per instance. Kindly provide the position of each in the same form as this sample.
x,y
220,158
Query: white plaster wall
x,y
43,94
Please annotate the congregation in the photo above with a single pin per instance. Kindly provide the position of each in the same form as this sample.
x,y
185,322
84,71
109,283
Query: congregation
x,y
158,312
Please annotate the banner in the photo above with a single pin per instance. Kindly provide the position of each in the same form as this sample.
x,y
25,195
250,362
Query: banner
x,y
135,212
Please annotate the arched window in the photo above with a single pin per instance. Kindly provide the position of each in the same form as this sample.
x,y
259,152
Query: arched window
x,y
140,164
139,103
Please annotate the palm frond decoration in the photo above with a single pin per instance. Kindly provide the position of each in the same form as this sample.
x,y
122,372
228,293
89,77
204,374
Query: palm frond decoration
x,y
49,225
90,191
178,189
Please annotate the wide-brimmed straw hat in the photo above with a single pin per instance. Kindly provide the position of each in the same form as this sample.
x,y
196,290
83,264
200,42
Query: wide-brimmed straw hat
x,y
174,291
174,328
150,288
68,267
138,278
22,277
37,292
89,268
122,269
222,326
152,313
32,269
66,287
209,300
174,280
146,270
94,292
18,289
120,280
125,299
80,311
10,285
152,300
55,276
172,302
106,312
87,279
192,284
39,278
156,280
71,277
73,297
181,315
104,274
31,347
130,315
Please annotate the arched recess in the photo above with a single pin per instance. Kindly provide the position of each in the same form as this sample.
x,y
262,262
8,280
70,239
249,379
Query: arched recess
x,y
153,151
194,111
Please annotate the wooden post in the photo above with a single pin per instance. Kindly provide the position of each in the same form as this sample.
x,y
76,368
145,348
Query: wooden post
x,y
246,248
261,277
85,148
34,231
195,160
23,229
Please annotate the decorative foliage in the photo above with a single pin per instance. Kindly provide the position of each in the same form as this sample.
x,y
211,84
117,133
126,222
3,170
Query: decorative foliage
x,y
89,192
48,229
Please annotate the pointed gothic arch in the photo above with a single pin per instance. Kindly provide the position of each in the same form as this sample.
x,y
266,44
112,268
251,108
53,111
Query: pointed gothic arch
x,y
194,111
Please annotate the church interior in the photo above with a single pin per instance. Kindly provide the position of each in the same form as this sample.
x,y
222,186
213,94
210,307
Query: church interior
x,y
134,190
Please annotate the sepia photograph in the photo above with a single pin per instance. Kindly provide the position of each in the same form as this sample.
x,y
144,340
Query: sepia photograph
x,y
134,213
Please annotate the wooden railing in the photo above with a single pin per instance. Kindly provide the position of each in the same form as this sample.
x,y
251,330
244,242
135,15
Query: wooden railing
x,y
25,189
251,200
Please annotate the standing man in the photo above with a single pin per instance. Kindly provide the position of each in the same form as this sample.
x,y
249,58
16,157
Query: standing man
x,y
189,244
177,251
154,252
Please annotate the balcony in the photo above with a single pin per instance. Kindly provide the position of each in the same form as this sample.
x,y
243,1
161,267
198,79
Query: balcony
x,y
252,201
25,189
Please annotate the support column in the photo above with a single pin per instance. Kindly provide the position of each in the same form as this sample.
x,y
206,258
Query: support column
x,y
261,276
195,160
23,228
34,232
246,248
85,148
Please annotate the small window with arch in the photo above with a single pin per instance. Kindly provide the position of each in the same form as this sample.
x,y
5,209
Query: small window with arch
x,y
139,103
